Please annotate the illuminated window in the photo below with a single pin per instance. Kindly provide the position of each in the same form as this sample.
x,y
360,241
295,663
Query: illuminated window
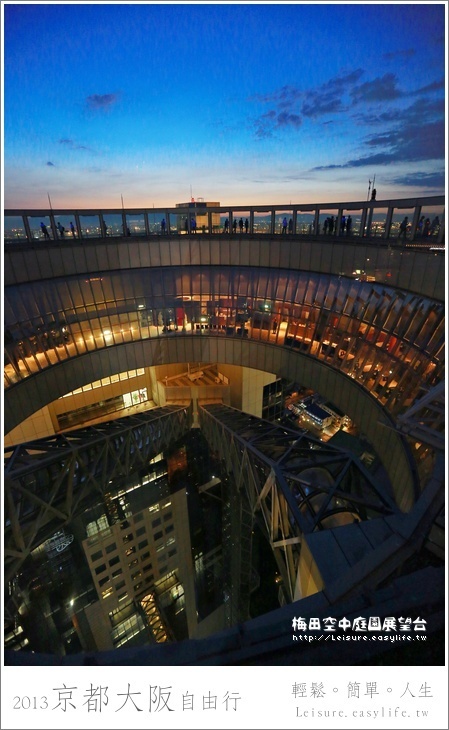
x,y
107,592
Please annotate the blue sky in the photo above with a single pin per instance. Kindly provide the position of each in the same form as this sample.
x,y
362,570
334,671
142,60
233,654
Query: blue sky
x,y
242,103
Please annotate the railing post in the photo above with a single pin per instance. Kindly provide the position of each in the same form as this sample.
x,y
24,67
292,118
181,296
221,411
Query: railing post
x,y
338,222
295,218
316,222
78,225
27,228
273,222
363,221
53,226
388,220
415,221
251,222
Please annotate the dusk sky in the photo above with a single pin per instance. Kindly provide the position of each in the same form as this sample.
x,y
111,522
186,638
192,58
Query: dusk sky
x,y
240,103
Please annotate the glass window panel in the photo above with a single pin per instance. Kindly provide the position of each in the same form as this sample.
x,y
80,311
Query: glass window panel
x,y
327,221
283,221
262,222
135,223
90,226
38,231
304,222
14,228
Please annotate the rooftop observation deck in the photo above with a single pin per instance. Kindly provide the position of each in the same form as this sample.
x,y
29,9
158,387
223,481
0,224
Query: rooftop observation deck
x,y
358,313
379,219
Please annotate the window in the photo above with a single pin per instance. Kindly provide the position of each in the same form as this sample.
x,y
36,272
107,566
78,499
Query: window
x,y
160,548
106,593
171,553
169,528
114,561
146,568
167,516
142,544
123,596
97,555
100,569
130,551
154,508
156,523
110,548
145,555
119,585
149,578
132,563
140,531
136,575
103,581
158,535
138,517
116,573
128,537
138,586
162,559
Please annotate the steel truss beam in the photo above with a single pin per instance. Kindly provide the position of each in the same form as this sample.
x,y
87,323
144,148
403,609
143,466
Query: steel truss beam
x,y
293,482
425,420
50,481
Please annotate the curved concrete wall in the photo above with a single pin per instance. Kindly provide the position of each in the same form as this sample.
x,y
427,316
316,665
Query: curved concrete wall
x,y
34,393
417,271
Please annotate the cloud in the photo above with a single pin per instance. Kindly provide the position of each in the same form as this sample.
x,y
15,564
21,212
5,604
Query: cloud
x,y
284,119
381,89
434,86
420,112
50,164
408,143
394,55
72,145
432,180
101,101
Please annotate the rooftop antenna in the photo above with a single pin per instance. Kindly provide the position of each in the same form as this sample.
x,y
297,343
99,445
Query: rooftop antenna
x,y
123,207
191,196
369,188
